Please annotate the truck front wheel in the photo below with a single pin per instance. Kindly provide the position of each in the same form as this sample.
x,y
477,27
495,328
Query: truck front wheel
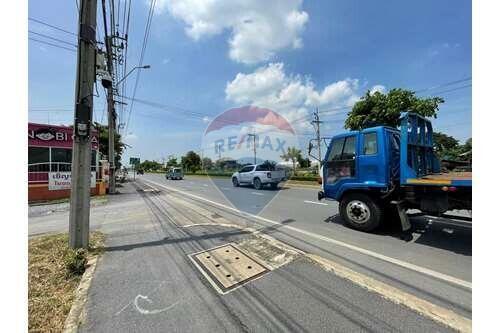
x,y
360,212
236,183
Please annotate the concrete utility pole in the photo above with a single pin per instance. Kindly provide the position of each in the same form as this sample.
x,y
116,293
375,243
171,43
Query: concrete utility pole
x,y
111,118
254,148
316,123
80,164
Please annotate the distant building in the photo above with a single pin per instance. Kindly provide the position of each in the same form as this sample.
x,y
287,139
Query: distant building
x,y
49,162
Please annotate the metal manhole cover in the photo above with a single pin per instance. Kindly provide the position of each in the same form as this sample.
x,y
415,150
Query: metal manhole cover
x,y
226,267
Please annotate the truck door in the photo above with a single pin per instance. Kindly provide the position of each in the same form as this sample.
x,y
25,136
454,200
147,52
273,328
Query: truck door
x,y
371,165
245,174
340,164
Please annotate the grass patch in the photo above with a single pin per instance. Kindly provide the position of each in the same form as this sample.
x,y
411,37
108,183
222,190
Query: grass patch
x,y
54,272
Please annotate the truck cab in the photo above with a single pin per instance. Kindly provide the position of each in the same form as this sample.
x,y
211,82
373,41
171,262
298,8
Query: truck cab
x,y
381,171
361,160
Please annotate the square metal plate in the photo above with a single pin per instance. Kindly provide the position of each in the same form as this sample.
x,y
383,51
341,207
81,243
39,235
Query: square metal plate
x,y
227,267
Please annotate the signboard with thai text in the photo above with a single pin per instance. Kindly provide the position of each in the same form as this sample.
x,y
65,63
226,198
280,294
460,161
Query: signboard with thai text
x,y
62,180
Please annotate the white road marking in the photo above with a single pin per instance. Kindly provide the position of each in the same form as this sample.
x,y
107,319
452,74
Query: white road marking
x,y
316,203
205,185
376,255
225,188
256,193
145,311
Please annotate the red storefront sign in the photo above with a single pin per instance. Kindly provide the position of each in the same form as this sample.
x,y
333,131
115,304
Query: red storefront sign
x,y
40,135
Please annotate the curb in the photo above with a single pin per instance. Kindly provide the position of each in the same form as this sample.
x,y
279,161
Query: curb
x,y
76,314
310,186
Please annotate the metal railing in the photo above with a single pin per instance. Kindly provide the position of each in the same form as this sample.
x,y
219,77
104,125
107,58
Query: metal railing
x,y
39,172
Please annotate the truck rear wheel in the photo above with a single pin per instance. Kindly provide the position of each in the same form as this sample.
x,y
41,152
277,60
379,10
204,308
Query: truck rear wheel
x,y
257,184
359,211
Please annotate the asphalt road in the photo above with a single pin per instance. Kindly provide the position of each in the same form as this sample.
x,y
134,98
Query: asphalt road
x,y
436,265
146,282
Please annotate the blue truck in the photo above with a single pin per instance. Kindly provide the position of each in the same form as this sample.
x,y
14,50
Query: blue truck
x,y
379,173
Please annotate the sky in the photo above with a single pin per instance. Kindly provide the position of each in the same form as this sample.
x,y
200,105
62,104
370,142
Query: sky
x,y
290,56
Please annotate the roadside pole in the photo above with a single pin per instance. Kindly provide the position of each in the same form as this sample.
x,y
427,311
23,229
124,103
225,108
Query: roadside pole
x,y
316,123
111,119
254,148
80,164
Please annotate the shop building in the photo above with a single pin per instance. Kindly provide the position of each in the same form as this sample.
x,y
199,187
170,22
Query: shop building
x,y
49,162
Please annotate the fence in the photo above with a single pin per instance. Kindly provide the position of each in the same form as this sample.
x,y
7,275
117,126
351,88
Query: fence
x,y
39,172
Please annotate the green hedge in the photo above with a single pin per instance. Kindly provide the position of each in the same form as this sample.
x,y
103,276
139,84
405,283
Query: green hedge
x,y
309,177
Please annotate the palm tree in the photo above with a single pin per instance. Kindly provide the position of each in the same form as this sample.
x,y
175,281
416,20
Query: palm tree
x,y
292,154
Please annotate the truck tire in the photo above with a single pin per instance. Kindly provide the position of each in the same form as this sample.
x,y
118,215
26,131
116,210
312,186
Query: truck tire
x,y
257,184
359,211
274,186
235,181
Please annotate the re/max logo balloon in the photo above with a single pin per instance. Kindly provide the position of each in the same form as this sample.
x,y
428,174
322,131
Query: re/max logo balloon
x,y
247,141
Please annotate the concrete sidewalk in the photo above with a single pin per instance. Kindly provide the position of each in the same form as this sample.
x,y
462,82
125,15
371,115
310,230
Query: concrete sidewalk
x,y
148,281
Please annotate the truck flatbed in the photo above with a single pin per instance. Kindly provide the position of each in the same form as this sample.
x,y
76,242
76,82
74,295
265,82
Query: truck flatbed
x,y
449,178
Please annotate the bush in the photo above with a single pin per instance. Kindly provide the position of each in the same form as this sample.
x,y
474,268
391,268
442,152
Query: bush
x,y
75,261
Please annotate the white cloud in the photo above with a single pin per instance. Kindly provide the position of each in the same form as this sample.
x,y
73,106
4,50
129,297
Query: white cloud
x,y
293,96
259,28
378,88
130,137
206,119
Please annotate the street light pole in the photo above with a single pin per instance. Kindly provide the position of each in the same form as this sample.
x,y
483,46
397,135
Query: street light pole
x,y
136,67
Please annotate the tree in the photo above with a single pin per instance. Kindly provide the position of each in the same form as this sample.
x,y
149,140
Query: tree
x,y
293,154
303,163
149,165
384,109
466,151
191,162
172,162
102,130
207,163
446,146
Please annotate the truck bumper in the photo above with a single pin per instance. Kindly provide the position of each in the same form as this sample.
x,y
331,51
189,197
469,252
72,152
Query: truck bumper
x,y
321,195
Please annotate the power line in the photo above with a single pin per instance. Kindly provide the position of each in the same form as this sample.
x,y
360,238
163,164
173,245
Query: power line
x,y
52,26
52,38
454,89
143,51
54,45
445,84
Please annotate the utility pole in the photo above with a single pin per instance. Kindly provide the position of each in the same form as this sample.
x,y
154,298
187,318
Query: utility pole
x,y
316,123
254,148
80,164
111,104
111,119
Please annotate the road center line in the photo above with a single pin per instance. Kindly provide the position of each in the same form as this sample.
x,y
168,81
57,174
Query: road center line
x,y
376,255
316,203
256,193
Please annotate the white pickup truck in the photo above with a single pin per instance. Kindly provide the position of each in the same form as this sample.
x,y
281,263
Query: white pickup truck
x,y
258,176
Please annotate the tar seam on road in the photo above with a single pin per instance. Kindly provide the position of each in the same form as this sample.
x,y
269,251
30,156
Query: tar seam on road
x,y
401,263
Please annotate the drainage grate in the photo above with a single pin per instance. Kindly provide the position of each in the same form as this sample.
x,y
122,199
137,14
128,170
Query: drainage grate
x,y
227,267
